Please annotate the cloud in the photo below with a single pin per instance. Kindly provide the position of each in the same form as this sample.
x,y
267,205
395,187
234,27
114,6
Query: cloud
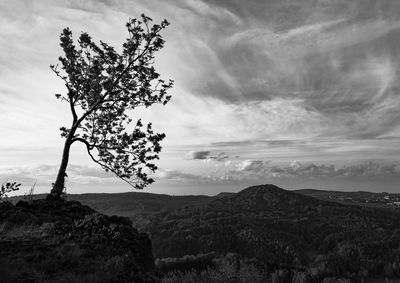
x,y
337,59
261,142
203,9
199,154
46,174
207,155
253,166
345,85
176,175
334,61
219,157
89,171
263,170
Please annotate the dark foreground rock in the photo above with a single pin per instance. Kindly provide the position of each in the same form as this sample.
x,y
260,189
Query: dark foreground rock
x,y
65,241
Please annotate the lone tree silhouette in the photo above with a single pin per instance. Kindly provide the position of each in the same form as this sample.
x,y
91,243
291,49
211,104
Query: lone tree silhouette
x,y
101,86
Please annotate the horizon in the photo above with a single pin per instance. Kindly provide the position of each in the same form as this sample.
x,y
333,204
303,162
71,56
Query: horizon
x,y
16,194
207,195
296,94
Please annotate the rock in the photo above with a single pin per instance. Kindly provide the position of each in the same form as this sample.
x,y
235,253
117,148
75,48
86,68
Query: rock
x,y
54,240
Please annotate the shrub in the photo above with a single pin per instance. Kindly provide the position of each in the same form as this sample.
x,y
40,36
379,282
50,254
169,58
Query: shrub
x,y
225,271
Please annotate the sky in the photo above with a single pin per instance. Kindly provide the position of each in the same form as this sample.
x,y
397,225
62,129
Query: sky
x,y
296,93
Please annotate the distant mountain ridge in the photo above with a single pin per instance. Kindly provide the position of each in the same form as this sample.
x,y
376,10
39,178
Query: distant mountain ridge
x,y
364,198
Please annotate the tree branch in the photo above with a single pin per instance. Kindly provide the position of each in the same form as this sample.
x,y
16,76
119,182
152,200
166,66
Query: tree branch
x,y
88,145
89,148
72,106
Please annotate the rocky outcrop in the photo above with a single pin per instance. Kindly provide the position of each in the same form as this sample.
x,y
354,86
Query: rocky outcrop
x,y
64,241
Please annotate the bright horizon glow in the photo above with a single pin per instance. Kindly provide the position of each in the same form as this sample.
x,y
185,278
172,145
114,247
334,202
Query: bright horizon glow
x,y
300,95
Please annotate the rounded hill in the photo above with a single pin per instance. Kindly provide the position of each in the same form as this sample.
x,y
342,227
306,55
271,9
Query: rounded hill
x,y
265,197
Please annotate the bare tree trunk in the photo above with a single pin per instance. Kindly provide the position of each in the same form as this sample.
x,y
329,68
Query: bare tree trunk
x,y
58,186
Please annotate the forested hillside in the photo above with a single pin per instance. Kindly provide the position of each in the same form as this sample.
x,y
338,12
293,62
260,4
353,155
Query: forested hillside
x,y
283,229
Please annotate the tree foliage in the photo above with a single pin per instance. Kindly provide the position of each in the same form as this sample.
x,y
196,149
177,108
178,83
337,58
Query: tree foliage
x,y
7,188
102,85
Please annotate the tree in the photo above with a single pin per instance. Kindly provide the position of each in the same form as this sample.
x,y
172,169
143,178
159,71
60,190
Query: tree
x,y
101,86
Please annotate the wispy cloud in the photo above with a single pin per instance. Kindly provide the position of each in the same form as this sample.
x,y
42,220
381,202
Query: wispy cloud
x,y
341,69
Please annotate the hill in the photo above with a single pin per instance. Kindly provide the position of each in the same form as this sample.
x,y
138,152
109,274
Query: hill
x,y
284,229
266,197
